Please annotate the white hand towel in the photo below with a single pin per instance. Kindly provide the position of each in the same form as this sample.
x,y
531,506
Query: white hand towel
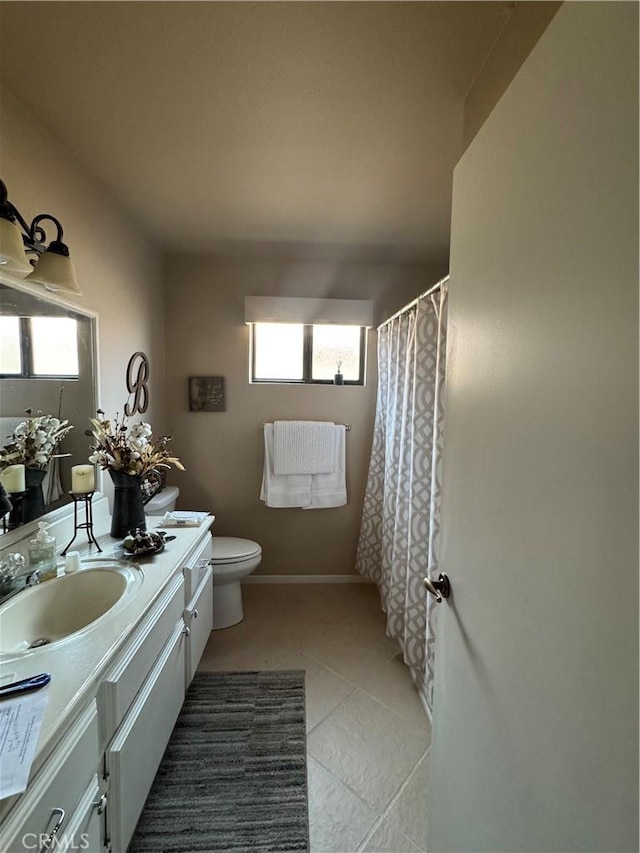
x,y
303,447
181,518
330,490
278,491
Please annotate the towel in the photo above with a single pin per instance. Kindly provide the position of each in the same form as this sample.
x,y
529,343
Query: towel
x,y
303,447
180,518
330,490
292,490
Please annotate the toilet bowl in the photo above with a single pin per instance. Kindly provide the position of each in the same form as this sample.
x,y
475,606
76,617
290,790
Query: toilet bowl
x,y
164,501
232,560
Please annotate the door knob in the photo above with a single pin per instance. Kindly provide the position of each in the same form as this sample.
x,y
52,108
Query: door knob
x,y
440,588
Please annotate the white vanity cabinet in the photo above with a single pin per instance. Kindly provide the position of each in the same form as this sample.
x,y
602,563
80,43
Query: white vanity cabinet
x,y
133,756
141,696
85,829
198,613
90,791
64,794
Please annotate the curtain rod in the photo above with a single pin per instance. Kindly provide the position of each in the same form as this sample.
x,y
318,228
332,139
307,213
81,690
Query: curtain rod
x,y
437,286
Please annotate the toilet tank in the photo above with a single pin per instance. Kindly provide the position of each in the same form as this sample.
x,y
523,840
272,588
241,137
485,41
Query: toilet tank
x,y
164,501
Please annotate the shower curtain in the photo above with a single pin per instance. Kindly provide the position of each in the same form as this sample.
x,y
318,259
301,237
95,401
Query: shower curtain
x,y
401,514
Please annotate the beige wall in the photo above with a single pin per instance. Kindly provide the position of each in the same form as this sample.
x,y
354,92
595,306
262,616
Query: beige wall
x,y
223,452
535,737
117,269
527,22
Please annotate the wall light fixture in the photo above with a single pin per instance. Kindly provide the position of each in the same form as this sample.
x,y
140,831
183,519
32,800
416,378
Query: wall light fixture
x,y
51,267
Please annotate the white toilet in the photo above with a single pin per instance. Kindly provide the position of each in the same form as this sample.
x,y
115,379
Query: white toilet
x,y
233,559
164,501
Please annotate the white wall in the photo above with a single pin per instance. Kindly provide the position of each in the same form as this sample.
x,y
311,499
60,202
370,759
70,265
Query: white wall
x,y
535,740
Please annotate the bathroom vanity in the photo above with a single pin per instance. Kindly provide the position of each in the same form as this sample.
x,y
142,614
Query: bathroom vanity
x,y
116,690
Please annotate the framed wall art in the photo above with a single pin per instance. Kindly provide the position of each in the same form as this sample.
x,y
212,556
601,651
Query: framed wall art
x,y
206,394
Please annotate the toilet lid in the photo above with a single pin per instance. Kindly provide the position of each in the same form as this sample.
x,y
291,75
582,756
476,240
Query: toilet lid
x,y
228,548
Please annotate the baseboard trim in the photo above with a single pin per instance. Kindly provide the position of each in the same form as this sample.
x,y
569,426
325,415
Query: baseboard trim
x,y
306,579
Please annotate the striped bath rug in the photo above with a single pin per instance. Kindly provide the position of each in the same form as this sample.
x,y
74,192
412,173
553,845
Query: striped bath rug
x,y
234,776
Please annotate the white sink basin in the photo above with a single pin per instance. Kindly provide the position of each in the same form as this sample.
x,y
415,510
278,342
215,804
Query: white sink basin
x,y
58,609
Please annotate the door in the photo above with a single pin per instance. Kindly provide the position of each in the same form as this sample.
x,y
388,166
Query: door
x,y
535,736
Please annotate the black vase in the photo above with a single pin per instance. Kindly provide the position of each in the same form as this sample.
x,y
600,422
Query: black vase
x,y
33,501
128,509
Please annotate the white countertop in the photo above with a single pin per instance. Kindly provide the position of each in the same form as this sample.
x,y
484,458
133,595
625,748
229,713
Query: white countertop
x,y
77,663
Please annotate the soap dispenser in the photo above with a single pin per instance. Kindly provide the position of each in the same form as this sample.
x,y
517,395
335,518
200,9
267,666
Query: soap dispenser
x,y
42,553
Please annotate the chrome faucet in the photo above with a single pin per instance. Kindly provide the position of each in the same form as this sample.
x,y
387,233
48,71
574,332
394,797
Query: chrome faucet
x,y
33,579
11,566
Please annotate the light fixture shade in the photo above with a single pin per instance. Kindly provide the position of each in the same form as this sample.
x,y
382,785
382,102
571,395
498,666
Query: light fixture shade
x,y
13,257
55,272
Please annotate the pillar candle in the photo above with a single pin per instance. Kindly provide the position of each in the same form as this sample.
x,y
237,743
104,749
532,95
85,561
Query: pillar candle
x,y
83,479
13,479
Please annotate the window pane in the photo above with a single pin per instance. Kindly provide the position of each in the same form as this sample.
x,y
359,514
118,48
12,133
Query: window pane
x,y
10,345
333,344
55,346
278,351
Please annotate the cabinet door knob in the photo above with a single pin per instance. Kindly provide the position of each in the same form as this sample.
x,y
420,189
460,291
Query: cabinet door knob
x,y
101,804
195,613
48,841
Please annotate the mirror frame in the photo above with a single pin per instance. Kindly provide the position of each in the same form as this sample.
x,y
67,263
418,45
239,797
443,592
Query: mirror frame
x,y
56,299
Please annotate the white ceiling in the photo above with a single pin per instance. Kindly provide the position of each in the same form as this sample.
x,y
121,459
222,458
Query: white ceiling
x,y
216,122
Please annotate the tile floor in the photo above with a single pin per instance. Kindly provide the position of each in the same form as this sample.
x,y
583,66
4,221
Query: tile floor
x,y
367,733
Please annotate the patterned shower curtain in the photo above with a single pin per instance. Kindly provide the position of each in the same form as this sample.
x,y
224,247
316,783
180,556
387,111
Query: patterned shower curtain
x,y
401,515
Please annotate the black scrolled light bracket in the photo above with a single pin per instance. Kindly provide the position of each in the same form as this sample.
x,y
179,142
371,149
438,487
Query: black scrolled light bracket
x,y
34,235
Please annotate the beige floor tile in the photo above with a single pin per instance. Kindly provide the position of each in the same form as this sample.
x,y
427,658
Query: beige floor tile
x,y
408,812
387,839
338,819
368,747
244,647
373,620
350,651
369,742
324,690
393,686
327,604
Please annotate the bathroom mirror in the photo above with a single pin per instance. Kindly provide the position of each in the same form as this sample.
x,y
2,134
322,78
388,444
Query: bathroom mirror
x,y
58,380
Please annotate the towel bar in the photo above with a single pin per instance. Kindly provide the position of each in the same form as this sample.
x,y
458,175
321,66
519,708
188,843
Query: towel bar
x,y
347,427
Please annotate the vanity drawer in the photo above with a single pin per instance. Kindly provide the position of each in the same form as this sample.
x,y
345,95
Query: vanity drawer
x,y
133,756
124,680
196,567
57,789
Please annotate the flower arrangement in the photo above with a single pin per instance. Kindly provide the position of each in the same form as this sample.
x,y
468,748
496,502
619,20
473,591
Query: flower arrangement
x,y
130,449
34,441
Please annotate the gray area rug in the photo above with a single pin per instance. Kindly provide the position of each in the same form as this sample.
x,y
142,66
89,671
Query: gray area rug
x,y
234,774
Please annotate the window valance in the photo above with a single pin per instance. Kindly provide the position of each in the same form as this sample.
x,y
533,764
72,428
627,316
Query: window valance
x,y
292,309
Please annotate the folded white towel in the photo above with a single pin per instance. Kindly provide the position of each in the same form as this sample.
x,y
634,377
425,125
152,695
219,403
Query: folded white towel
x,y
293,490
182,518
303,447
330,490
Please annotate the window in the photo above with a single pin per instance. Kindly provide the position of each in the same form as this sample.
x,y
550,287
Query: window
x,y
38,346
293,352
